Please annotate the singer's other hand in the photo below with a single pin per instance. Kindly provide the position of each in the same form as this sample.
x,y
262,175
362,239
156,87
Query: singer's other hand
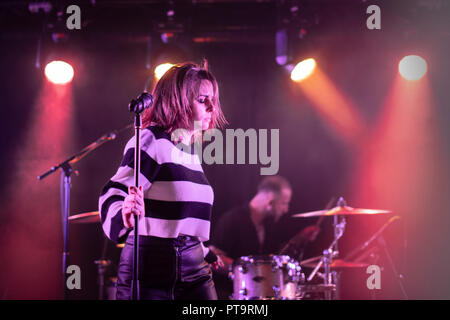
x,y
133,205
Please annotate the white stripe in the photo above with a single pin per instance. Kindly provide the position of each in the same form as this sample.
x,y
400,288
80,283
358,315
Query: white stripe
x,y
180,191
113,209
164,151
173,228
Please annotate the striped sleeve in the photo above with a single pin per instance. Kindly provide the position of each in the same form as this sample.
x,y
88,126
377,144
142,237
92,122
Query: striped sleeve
x,y
115,191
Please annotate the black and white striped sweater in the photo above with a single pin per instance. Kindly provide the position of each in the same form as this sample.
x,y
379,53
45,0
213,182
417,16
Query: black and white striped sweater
x,y
178,197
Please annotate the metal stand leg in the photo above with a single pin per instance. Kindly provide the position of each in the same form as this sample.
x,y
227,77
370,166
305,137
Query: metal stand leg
x,y
398,276
65,204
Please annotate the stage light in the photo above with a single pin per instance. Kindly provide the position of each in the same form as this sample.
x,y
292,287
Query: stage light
x,y
161,69
412,67
59,72
303,69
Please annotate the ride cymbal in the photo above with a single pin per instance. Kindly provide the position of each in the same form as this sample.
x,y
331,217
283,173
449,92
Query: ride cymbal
x,y
87,217
345,210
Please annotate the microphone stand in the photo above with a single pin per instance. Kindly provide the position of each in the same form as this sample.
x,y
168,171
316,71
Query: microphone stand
x,y
382,242
397,275
144,101
135,292
366,244
67,170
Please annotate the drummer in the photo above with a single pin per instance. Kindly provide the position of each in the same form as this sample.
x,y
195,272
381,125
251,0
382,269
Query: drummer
x,y
250,229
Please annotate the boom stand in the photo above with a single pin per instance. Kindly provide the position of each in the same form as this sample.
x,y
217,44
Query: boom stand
x,y
397,275
65,203
67,171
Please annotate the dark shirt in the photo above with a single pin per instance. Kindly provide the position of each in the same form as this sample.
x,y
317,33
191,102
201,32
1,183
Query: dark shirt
x,y
236,234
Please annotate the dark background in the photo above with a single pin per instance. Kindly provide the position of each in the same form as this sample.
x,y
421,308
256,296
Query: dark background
x,y
110,53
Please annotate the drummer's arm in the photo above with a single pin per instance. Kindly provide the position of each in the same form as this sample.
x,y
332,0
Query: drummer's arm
x,y
227,261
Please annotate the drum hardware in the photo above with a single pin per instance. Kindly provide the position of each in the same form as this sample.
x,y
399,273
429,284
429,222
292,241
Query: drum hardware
x,y
252,275
87,217
105,269
363,253
328,261
306,291
277,290
102,266
337,264
106,289
331,277
265,277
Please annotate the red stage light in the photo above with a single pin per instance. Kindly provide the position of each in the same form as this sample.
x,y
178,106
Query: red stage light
x,y
59,72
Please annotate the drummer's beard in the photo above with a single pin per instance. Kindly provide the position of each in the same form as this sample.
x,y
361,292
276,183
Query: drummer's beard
x,y
268,220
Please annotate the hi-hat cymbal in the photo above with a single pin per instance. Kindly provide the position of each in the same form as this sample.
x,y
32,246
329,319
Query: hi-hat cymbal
x,y
336,264
87,217
344,210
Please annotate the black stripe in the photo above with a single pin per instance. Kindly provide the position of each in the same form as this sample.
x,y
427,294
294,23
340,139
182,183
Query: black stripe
x,y
177,172
149,167
105,205
116,227
174,210
158,132
116,185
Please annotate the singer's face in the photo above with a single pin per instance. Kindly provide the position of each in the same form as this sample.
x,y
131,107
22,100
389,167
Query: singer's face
x,y
202,106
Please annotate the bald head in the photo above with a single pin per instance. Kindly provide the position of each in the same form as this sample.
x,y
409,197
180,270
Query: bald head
x,y
274,196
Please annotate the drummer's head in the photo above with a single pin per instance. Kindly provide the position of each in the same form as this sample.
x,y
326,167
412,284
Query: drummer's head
x,y
277,193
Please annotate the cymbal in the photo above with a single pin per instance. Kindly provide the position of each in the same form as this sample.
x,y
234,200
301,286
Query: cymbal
x,y
336,264
87,217
345,210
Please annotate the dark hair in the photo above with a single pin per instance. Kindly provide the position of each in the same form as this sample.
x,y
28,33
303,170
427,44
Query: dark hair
x,y
274,184
174,94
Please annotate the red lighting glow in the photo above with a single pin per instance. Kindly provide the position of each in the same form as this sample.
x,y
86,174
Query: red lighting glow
x,y
59,72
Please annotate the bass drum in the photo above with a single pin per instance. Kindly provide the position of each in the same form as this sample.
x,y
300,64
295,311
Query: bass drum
x,y
272,277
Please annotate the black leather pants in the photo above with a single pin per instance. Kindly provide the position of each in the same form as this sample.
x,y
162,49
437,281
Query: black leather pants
x,y
170,269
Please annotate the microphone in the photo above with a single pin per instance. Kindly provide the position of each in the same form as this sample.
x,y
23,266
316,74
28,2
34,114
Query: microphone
x,y
144,101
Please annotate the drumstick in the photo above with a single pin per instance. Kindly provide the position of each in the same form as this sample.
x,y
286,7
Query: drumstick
x,y
328,207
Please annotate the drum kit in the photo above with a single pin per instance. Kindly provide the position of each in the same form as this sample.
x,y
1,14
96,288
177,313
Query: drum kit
x,y
281,277
275,277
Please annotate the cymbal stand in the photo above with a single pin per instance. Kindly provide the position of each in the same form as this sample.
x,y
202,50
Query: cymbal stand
x,y
331,253
102,265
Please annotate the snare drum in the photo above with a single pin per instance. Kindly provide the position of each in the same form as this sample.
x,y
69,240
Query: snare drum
x,y
266,277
